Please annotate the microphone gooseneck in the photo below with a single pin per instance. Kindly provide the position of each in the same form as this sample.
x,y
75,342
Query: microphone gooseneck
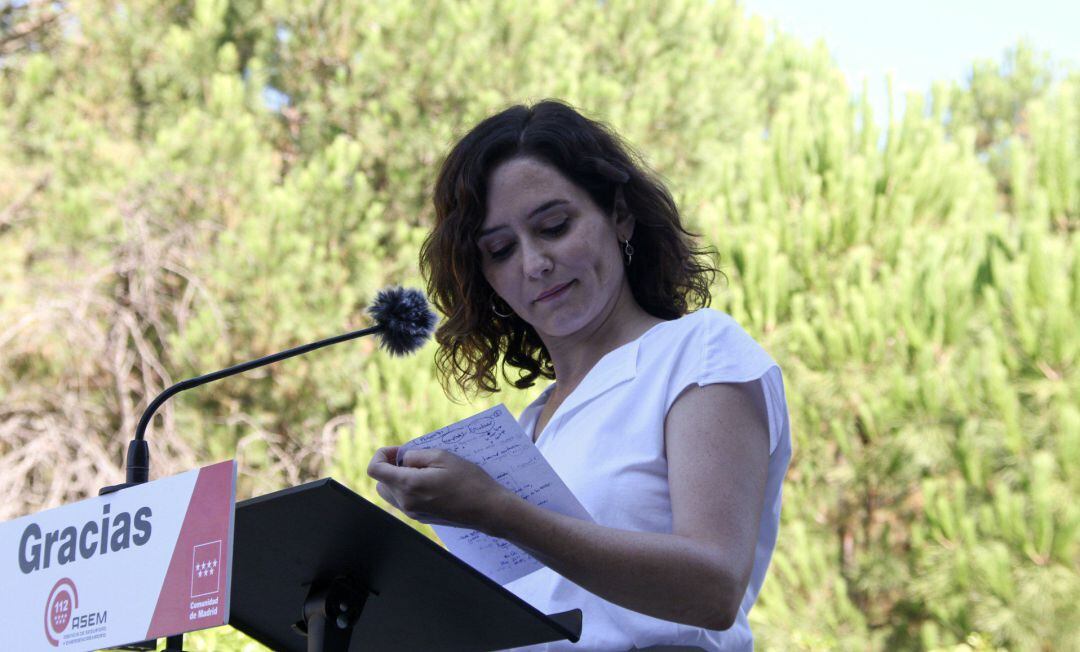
x,y
403,322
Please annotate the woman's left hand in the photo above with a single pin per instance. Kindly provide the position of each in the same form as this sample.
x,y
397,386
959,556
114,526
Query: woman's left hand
x,y
438,487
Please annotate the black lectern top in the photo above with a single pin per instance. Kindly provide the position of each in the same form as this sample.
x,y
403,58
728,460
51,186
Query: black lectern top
x,y
418,595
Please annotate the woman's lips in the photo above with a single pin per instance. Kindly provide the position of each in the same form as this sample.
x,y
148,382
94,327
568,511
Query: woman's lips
x,y
553,292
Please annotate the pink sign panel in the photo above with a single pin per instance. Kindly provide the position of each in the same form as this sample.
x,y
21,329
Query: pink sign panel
x,y
194,595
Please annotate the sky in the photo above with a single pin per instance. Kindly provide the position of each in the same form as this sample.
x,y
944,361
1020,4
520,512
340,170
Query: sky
x,y
921,41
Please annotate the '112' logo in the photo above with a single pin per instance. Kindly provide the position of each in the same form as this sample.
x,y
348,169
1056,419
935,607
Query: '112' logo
x,y
63,599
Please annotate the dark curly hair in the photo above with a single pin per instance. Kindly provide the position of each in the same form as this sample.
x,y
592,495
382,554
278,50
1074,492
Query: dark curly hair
x,y
670,275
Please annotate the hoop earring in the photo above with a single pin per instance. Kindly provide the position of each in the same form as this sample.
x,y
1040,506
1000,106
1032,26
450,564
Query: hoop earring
x,y
628,249
495,310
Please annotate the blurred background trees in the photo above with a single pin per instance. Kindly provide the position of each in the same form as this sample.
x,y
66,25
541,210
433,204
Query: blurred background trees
x,y
187,184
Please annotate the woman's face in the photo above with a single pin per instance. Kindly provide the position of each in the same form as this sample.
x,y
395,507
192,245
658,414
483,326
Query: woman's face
x,y
549,251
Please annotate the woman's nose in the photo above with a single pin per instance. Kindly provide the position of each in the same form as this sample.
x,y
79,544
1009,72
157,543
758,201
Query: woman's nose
x,y
537,261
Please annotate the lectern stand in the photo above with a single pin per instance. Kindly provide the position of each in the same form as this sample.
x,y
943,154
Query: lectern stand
x,y
318,568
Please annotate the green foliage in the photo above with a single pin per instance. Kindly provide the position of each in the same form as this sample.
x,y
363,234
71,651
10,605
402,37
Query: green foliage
x,y
919,281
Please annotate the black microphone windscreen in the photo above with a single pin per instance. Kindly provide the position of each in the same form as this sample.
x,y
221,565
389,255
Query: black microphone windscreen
x,y
404,319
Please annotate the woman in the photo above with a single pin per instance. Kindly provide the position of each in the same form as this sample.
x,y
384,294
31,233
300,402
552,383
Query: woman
x,y
556,251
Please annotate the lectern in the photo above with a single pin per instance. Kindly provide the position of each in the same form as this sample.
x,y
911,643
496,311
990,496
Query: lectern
x,y
317,567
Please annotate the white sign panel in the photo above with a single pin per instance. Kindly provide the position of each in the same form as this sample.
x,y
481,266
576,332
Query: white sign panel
x,y
146,562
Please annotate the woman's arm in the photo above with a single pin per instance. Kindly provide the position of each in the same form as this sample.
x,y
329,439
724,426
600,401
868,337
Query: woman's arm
x,y
717,447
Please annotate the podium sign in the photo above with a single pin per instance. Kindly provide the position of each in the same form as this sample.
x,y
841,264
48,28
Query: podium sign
x,y
147,562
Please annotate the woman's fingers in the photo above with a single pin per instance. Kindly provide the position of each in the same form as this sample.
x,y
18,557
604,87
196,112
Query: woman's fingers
x,y
420,458
431,520
383,466
434,486
386,454
386,494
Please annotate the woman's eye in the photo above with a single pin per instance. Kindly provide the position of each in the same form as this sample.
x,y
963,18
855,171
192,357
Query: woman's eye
x,y
555,229
500,254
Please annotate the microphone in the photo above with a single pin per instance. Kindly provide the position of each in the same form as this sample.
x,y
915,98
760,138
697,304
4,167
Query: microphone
x,y
403,322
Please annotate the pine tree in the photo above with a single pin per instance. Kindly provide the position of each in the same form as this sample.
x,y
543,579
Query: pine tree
x,y
188,184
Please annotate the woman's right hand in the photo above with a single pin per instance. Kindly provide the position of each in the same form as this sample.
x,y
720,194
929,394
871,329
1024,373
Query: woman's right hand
x,y
438,487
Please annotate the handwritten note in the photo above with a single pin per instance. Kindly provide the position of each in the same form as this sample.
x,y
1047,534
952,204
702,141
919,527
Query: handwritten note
x,y
495,442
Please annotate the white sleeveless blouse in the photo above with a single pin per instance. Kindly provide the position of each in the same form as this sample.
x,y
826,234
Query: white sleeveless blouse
x,y
606,441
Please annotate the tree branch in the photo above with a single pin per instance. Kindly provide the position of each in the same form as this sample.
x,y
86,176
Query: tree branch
x,y
10,214
9,42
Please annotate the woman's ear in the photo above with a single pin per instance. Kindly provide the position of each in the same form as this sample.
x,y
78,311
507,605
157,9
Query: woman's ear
x,y
624,226
624,219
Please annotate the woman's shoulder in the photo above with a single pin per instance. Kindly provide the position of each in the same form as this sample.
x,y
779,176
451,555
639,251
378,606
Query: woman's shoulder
x,y
709,346
702,324
721,349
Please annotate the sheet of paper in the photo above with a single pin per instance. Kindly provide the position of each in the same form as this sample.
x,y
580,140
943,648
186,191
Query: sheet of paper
x,y
495,442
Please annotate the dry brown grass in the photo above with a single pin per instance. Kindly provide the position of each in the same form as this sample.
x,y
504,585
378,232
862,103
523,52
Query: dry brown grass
x,y
81,361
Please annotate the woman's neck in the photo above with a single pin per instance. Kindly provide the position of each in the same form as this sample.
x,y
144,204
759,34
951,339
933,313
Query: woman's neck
x,y
575,355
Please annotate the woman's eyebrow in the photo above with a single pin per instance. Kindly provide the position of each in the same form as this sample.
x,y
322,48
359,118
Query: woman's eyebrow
x,y
551,203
